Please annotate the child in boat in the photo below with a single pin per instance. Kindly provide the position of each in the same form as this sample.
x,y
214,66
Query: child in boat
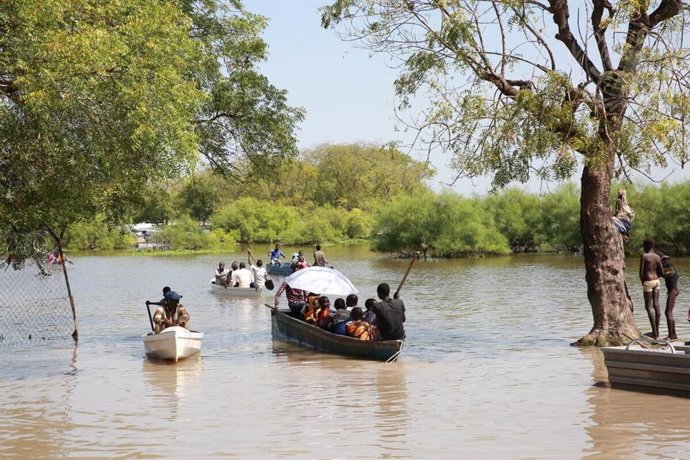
x,y
369,315
323,313
360,329
340,318
310,308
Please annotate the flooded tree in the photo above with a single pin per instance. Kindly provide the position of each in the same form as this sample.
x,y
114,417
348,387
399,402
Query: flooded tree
x,y
521,89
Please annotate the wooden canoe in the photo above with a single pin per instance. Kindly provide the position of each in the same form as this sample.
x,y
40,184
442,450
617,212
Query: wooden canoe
x,y
235,291
173,343
286,327
666,368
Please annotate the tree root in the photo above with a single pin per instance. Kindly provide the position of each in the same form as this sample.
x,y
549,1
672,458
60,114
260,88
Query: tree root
x,y
604,338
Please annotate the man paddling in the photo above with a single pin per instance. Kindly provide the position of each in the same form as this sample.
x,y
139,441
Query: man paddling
x,y
390,314
170,312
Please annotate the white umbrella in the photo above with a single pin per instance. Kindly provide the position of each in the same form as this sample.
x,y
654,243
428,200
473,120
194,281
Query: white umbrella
x,y
321,280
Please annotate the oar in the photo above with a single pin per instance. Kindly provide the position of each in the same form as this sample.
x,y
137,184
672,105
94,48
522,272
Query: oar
x,y
150,318
251,255
409,267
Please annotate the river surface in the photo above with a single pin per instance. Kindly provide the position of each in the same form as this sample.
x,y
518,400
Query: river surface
x,y
487,371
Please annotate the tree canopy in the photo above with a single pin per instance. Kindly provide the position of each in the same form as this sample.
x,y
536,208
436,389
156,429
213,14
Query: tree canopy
x,y
100,97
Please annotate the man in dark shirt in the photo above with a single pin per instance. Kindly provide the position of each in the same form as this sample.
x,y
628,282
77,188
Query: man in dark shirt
x,y
390,314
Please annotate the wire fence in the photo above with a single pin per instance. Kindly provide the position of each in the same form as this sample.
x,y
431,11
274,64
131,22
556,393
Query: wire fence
x,y
34,306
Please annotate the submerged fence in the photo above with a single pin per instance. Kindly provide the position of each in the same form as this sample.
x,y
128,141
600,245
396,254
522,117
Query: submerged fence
x,y
34,307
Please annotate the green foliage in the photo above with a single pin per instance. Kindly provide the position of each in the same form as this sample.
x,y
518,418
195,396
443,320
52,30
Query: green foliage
x,y
559,228
185,233
157,206
662,212
356,176
98,235
101,98
517,216
444,226
199,199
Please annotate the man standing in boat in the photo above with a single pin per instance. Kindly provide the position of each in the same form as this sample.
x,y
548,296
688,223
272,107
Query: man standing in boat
x,y
390,314
650,272
276,254
170,312
320,257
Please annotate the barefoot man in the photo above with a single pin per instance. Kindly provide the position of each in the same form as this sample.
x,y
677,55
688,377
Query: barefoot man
x,y
650,272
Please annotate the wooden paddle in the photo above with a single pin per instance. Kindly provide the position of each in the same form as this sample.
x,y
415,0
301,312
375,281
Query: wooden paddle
x,y
150,318
409,267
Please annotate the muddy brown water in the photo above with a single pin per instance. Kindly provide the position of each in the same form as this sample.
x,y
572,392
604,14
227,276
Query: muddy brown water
x,y
487,371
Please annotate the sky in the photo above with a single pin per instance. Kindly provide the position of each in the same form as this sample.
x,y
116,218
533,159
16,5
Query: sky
x,y
347,92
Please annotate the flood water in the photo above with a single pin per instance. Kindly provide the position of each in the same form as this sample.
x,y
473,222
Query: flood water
x,y
487,371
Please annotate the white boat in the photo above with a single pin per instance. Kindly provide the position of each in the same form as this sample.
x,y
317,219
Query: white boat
x,y
235,291
173,343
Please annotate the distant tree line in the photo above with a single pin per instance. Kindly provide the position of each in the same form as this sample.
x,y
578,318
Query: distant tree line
x,y
338,193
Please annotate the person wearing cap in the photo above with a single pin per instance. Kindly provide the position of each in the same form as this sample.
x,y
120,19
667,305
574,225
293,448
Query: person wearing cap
x,y
170,312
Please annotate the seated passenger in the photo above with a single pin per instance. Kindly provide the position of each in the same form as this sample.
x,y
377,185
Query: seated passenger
x,y
360,329
351,301
170,312
369,315
242,277
221,274
340,318
229,281
323,313
310,308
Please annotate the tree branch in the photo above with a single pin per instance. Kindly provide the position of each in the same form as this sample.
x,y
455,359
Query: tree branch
x,y
560,12
600,31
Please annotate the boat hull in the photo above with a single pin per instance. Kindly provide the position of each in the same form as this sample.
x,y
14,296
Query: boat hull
x,y
174,343
283,269
235,291
650,370
287,328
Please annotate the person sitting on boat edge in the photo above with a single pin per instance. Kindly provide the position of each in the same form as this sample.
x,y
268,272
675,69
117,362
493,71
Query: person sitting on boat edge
x,y
241,277
360,329
170,313
221,274
258,275
341,317
276,254
296,298
390,314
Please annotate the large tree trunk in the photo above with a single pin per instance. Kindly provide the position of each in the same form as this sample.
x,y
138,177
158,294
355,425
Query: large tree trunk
x,y
604,262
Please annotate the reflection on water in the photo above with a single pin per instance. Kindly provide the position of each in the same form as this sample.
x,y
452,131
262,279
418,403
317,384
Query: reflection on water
x,y
487,372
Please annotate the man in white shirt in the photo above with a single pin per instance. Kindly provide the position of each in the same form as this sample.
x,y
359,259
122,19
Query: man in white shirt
x,y
259,275
221,274
241,277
